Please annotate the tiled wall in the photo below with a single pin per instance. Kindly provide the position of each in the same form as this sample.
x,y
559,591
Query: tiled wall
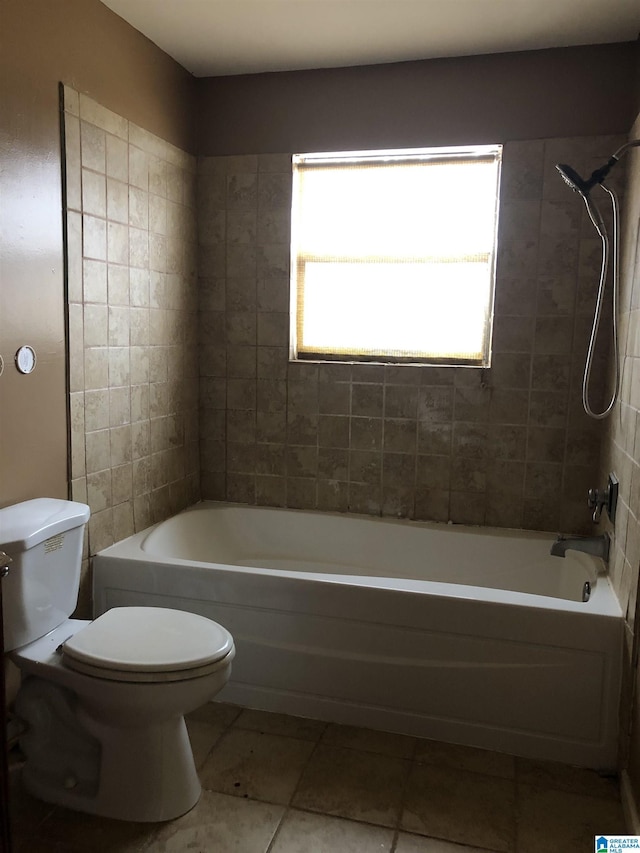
x,y
131,249
508,446
621,446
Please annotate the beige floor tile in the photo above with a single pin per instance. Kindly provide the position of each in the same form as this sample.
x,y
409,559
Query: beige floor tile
x,y
216,713
203,736
465,758
280,724
578,780
419,844
458,799
302,832
385,743
353,784
222,824
260,766
44,845
85,831
455,805
560,820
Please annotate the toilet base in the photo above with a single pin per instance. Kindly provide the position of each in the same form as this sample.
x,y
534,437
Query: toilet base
x,y
133,773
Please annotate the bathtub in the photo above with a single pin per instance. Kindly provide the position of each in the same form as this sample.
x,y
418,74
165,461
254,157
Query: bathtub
x,y
467,635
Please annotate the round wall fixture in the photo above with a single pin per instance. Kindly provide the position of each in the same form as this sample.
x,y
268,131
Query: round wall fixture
x,y
26,359
1,365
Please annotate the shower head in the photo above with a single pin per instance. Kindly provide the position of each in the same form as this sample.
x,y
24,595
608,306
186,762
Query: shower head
x,y
573,179
579,185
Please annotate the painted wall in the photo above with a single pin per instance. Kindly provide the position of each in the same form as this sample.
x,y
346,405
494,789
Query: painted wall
x,y
582,91
82,43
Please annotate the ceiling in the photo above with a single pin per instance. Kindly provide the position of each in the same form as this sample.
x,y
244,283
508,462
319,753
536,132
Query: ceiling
x,y
222,37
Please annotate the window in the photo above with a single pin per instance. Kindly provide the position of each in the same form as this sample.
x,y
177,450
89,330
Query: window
x,y
393,255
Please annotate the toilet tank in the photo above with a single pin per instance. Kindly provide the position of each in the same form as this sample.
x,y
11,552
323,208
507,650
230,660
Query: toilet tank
x,y
44,539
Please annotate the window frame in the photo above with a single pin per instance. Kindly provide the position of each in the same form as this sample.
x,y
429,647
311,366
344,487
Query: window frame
x,y
299,259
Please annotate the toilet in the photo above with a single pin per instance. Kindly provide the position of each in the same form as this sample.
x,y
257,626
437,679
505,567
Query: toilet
x,y
103,701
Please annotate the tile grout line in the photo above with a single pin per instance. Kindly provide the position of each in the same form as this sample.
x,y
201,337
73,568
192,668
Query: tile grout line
x,y
289,805
401,808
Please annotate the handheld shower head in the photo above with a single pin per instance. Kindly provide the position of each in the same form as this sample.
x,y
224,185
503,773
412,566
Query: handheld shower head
x,y
579,185
573,179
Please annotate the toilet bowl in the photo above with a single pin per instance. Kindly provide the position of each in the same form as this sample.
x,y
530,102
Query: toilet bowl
x,y
103,700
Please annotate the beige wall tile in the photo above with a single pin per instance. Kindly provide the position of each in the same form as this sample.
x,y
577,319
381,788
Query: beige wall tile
x,y
138,168
96,325
522,407
99,490
76,347
98,454
122,483
73,163
96,410
96,114
101,530
95,281
93,143
74,257
71,101
94,193
123,524
117,201
114,323
117,158
94,238
77,426
96,368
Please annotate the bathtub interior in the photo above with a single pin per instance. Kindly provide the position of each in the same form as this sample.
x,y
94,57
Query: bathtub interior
x,y
331,544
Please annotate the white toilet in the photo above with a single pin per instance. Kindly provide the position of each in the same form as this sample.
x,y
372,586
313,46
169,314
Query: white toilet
x,y
103,700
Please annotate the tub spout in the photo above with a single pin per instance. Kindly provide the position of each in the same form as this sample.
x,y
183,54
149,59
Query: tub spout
x,y
596,545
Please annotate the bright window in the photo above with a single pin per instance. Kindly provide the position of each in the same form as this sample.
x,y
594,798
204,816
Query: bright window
x,y
393,255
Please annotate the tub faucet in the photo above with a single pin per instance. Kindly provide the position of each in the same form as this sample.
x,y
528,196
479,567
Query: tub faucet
x,y
596,545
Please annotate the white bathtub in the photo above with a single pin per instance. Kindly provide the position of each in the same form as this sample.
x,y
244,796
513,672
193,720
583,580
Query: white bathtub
x,y
468,635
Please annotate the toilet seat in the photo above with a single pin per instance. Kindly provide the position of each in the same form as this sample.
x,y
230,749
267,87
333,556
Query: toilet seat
x,y
149,644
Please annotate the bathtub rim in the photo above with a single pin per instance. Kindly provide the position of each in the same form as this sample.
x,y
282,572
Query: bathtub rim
x,y
602,602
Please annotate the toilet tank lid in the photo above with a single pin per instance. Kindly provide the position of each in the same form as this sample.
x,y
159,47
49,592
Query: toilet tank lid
x,y
27,524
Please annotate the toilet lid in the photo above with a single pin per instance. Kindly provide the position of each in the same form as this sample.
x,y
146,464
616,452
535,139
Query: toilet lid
x,y
149,639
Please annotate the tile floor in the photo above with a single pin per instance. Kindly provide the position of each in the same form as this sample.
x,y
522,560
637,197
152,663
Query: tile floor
x,y
279,784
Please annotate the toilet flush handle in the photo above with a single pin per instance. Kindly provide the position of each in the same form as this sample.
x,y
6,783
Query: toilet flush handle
x,y
5,562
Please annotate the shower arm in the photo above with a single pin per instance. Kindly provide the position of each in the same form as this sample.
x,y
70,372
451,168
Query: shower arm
x,y
633,143
598,176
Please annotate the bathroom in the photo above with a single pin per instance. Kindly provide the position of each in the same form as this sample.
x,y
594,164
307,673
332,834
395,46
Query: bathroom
x,y
523,454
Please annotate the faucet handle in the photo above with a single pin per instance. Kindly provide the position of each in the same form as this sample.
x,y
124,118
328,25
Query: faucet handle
x,y
596,502
5,562
604,498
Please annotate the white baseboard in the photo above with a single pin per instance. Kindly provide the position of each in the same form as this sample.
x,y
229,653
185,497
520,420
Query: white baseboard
x,y
629,805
